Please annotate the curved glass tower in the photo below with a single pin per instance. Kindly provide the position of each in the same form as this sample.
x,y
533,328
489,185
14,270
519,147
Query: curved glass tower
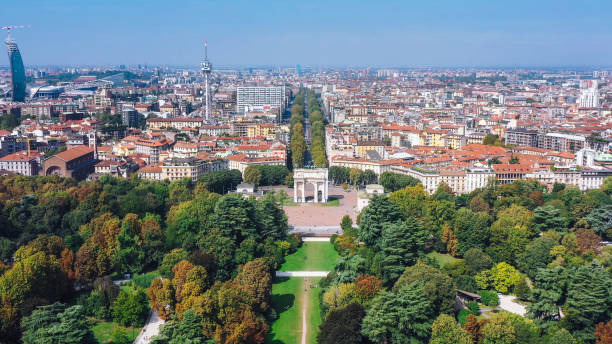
x,y
18,79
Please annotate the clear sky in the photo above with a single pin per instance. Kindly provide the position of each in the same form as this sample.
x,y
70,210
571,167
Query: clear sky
x,y
313,33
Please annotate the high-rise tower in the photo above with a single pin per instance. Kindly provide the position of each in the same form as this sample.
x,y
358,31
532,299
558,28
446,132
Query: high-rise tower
x,y
206,70
18,79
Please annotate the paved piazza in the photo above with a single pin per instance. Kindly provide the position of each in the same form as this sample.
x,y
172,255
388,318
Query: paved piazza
x,y
312,214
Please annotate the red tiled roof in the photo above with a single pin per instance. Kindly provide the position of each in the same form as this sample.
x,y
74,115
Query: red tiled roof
x,y
74,153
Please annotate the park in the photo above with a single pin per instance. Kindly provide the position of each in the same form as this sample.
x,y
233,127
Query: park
x,y
297,299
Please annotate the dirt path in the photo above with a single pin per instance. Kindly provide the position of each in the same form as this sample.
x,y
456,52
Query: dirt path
x,y
306,284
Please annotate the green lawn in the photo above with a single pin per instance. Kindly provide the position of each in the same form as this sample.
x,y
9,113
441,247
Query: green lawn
x,y
314,315
287,299
144,280
285,295
103,331
333,202
442,258
313,255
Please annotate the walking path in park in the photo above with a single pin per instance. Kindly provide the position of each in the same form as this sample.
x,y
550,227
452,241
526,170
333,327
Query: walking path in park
x,y
507,303
304,322
299,276
150,330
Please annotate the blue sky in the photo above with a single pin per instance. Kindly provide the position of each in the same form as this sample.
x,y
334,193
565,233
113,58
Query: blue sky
x,y
313,33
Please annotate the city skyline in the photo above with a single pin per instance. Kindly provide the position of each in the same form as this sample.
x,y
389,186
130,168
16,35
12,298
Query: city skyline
x,y
341,34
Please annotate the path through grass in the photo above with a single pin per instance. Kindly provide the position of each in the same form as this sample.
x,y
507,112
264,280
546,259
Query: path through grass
x,y
291,295
289,301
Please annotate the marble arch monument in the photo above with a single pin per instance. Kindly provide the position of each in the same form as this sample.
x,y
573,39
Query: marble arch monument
x,y
318,177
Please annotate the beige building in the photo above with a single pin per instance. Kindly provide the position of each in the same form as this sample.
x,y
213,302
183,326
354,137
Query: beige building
x,y
240,162
194,168
362,148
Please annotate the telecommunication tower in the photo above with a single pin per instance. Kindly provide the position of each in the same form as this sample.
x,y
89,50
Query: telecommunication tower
x,y
206,70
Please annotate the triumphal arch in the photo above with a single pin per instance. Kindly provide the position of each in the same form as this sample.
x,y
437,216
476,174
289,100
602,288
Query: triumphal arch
x,y
317,177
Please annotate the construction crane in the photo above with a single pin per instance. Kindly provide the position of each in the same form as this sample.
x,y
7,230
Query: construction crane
x,y
8,28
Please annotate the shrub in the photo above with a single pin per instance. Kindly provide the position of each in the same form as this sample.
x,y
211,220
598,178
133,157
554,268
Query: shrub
x,y
522,290
473,307
462,316
295,241
145,280
467,283
489,298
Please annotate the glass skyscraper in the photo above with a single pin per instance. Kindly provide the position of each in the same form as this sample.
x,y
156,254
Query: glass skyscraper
x,y
18,79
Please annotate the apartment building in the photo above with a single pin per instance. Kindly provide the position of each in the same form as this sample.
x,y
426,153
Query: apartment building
x,y
20,163
255,97
522,137
561,142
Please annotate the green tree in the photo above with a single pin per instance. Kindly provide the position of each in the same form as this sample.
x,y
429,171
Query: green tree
x,y
252,175
131,308
445,330
588,301
170,260
346,224
600,220
401,243
411,200
397,318
536,256
502,277
355,176
548,294
186,330
34,280
606,186
372,219
548,218
368,177
499,330
476,260
57,324
394,181
510,234
437,285
342,326
472,230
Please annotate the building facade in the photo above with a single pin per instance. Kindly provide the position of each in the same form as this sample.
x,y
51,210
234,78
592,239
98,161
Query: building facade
x,y
252,97
20,163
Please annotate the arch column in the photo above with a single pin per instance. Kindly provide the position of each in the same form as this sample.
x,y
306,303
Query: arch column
x,y
316,192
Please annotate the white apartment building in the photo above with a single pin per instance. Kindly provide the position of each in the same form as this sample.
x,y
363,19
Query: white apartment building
x,y
253,97
460,182
20,163
589,98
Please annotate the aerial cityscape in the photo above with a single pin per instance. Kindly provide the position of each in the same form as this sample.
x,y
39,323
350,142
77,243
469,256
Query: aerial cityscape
x,y
279,173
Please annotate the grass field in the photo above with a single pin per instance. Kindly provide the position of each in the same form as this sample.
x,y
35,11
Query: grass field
x,y
291,295
313,255
103,331
333,202
288,300
286,329
442,258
